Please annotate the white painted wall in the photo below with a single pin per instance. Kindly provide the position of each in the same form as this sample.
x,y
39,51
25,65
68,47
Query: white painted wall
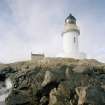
x,y
69,46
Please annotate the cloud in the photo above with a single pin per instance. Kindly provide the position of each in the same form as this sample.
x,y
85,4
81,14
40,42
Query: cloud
x,y
31,25
31,28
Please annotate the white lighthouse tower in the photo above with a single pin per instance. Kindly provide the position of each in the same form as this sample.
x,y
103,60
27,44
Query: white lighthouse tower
x,y
70,39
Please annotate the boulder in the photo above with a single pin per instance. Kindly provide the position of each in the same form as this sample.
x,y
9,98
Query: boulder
x,y
90,95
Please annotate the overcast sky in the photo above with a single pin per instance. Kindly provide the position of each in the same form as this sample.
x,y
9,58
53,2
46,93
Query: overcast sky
x,y
36,25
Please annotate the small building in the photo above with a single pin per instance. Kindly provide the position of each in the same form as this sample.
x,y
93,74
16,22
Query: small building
x,y
37,56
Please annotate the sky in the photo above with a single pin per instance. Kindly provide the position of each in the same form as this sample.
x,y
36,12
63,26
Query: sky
x,y
36,25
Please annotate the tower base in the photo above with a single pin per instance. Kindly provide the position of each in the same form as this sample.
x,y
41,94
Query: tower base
x,y
76,56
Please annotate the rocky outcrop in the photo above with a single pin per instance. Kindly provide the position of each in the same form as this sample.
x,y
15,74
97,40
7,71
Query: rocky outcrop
x,y
56,81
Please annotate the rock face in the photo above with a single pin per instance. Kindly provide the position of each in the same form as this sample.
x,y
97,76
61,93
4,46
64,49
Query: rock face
x,y
56,82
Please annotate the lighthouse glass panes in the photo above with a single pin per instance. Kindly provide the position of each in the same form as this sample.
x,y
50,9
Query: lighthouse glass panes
x,y
70,19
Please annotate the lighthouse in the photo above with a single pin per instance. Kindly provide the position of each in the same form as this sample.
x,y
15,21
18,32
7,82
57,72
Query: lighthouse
x,y
70,44
70,39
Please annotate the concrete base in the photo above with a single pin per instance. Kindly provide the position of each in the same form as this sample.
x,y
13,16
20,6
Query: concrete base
x,y
76,56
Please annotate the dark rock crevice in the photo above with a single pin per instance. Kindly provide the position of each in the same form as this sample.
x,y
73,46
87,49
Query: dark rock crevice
x,y
45,91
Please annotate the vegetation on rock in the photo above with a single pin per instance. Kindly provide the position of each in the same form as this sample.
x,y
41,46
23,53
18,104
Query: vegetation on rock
x,y
56,81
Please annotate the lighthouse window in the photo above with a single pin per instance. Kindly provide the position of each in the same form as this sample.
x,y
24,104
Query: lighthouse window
x,y
74,39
